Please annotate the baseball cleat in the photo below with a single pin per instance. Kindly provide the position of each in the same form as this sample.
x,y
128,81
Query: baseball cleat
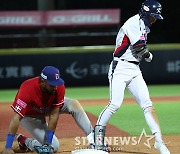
x,y
162,148
92,145
107,148
21,141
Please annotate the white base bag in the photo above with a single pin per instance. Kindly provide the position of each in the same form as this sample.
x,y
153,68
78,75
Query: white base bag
x,y
89,151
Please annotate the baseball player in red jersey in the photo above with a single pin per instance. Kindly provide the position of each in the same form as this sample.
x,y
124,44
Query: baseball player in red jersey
x,y
37,98
124,72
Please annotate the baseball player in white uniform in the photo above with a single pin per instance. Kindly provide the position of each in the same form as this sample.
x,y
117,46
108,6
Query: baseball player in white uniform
x,y
124,72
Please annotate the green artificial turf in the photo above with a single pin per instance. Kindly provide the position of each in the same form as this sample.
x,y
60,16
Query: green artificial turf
x,y
7,95
103,92
99,92
164,90
130,117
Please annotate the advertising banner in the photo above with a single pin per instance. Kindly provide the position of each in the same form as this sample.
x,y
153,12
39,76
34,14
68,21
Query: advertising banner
x,y
85,69
83,17
76,69
102,17
13,19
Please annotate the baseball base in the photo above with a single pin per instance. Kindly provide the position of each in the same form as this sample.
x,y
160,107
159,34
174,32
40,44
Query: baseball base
x,y
88,151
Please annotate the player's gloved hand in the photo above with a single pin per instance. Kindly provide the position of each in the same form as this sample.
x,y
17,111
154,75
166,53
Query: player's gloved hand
x,y
140,51
148,57
44,149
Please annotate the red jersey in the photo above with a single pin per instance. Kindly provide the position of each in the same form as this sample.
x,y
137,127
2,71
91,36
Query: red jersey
x,y
31,100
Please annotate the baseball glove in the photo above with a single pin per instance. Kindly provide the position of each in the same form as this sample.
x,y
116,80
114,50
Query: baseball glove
x,y
140,51
44,149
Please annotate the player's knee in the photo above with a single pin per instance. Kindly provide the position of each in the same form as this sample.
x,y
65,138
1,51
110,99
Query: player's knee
x,y
76,105
113,108
149,109
147,106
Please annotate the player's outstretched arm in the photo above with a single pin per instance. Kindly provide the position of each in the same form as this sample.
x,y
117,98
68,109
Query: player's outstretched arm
x,y
53,119
13,127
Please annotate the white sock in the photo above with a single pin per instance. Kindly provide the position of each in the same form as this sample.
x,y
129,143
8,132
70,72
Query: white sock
x,y
153,125
90,138
158,137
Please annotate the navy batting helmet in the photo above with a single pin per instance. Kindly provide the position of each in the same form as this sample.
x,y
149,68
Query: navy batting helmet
x,y
151,8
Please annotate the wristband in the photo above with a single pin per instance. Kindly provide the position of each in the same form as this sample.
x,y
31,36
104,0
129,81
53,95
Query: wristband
x,y
9,140
49,136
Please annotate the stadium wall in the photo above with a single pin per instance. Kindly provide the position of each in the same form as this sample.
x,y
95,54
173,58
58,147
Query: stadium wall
x,y
84,66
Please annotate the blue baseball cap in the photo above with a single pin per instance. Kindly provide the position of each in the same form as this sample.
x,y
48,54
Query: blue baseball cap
x,y
52,76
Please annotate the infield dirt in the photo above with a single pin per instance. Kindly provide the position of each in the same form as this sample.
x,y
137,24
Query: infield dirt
x,y
67,130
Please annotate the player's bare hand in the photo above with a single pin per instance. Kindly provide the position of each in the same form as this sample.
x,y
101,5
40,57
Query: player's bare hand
x,y
8,151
